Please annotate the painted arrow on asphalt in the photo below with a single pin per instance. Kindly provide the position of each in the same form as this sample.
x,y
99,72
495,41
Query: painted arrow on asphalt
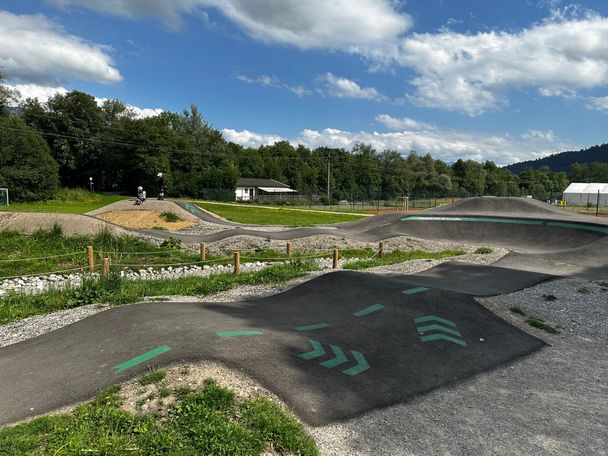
x,y
338,359
439,324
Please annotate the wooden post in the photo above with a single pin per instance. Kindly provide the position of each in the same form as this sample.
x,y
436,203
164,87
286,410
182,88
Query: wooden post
x,y
237,262
90,258
203,251
105,270
289,249
336,258
380,250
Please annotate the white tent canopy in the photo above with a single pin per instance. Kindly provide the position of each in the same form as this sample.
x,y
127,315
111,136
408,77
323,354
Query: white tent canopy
x,y
583,194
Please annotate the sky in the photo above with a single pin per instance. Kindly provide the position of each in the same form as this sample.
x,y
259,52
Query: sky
x,y
475,79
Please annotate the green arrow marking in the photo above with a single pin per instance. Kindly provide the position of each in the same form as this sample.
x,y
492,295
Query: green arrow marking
x,y
442,337
141,358
429,328
318,350
339,359
434,318
368,310
361,365
411,291
239,333
311,327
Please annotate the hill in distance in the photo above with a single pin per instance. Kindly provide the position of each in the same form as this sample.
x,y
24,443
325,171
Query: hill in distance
x,y
563,160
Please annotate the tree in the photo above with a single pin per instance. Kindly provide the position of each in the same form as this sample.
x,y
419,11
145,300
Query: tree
x,y
27,168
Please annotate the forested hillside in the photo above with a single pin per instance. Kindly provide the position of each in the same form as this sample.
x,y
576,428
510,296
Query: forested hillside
x,y
119,151
564,160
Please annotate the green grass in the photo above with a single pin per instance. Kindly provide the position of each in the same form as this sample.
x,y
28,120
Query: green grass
x,y
396,256
116,291
263,216
483,250
48,243
152,377
209,421
540,324
68,201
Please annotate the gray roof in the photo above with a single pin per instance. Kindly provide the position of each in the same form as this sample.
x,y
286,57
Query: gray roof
x,y
250,182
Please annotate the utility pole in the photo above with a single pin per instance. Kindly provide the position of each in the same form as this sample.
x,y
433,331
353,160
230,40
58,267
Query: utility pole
x,y
328,173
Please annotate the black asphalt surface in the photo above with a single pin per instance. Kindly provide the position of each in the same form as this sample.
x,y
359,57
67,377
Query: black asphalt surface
x,y
389,341
341,344
476,280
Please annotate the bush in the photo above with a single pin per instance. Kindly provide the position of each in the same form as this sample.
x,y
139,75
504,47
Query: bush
x,y
27,168
170,217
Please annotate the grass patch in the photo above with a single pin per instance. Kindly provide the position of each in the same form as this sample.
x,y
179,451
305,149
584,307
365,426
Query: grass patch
x,y
152,377
115,291
67,201
210,421
540,324
549,297
517,310
396,256
170,217
49,243
264,216
483,250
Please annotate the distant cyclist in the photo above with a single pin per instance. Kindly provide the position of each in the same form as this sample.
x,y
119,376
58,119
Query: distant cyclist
x,y
160,186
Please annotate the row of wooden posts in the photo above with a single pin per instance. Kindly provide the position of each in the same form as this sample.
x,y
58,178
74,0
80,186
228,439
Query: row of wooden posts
x,y
105,262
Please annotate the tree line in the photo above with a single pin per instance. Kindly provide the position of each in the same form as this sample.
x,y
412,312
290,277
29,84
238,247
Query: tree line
x,y
71,138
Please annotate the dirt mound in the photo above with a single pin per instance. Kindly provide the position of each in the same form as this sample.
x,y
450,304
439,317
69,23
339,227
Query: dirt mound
x,y
145,219
506,205
71,224
147,206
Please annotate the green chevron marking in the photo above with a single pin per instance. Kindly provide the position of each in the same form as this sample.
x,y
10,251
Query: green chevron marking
x,y
339,359
428,318
411,291
318,350
311,327
361,365
429,328
141,358
442,337
368,310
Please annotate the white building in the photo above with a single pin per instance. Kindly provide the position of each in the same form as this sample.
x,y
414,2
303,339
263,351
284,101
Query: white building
x,y
580,194
248,189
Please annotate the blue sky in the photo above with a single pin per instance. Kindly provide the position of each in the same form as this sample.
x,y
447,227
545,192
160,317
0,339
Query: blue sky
x,y
504,81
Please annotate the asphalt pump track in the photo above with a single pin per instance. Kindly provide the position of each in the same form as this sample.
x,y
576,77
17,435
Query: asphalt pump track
x,y
332,348
336,346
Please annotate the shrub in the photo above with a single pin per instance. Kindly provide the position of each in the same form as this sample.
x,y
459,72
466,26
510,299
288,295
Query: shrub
x,y
483,250
170,217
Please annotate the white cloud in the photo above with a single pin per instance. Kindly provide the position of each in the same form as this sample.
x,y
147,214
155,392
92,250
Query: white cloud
x,y
43,93
473,73
339,87
248,138
274,82
446,144
405,123
336,24
598,103
37,50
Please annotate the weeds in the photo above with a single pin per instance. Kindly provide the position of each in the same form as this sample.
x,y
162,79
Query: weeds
x,y
170,217
152,377
517,310
549,297
483,250
540,324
